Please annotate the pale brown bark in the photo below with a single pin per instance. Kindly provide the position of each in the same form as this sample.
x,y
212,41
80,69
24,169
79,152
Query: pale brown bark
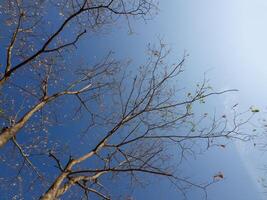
x,y
8,133
56,190
52,192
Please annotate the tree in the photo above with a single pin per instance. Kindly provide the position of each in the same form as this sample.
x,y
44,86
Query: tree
x,y
133,120
28,28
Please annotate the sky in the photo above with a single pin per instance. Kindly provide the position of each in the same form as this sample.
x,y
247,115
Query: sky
x,y
227,40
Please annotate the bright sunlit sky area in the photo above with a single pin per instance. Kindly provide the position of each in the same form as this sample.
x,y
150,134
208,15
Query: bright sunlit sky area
x,y
226,39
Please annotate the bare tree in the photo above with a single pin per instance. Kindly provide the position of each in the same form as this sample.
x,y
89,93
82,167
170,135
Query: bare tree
x,y
31,48
38,76
148,121
132,120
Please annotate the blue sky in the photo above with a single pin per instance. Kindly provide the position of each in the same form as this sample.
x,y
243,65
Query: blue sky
x,y
226,39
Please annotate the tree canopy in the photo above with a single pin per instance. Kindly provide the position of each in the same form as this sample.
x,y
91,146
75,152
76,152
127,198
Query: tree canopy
x,y
69,127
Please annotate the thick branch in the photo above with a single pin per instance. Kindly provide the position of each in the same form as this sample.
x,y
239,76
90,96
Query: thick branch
x,y
8,133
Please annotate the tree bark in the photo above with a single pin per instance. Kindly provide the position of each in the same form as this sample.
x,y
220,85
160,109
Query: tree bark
x,y
7,133
52,192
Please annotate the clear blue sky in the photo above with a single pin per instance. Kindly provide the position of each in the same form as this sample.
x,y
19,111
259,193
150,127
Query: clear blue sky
x,y
228,39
